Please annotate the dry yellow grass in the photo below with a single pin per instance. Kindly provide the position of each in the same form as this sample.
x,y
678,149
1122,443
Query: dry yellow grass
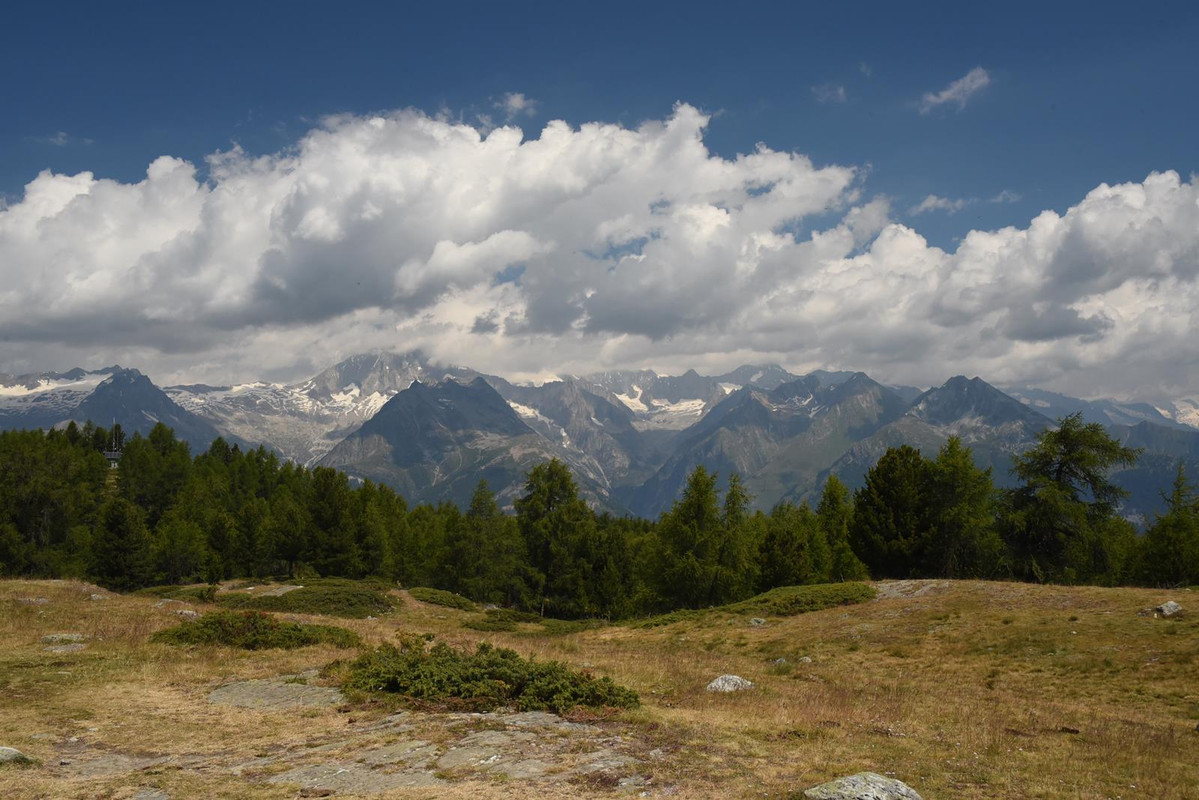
x,y
961,689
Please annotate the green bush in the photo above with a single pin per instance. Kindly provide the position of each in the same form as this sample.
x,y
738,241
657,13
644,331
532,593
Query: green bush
x,y
335,597
254,630
486,679
440,597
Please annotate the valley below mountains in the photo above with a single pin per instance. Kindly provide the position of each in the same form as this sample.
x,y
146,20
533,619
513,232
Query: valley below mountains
x,y
630,437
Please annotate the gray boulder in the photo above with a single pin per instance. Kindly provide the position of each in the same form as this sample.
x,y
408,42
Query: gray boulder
x,y
1168,608
63,638
11,755
757,622
863,786
730,683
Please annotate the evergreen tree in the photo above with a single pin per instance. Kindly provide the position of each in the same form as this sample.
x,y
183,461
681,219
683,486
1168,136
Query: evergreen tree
x,y
835,515
684,534
121,557
485,554
1169,552
794,548
1061,523
560,539
964,541
892,519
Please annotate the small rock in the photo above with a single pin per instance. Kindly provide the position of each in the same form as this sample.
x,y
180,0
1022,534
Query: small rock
x,y
863,786
1168,608
11,755
63,638
168,602
74,647
779,662
187,613
805,660
757,622
730,683
97,597
151,794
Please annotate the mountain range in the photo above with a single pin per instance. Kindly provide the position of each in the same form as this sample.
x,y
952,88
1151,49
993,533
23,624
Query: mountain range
x,y
630,437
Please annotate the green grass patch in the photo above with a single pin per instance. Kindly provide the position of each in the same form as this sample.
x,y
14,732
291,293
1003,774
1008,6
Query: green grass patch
x,y
785,601
565,627
335,597
486,679
203,593
440,597
499,620
505,620
254,630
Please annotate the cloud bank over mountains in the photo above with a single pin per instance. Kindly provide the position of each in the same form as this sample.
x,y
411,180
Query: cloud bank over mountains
x,y
584,248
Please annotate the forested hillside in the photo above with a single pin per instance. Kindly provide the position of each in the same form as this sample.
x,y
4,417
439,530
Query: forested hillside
x,y
166,516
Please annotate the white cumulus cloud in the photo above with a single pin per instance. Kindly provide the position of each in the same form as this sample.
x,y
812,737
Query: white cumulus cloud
x,y
581,248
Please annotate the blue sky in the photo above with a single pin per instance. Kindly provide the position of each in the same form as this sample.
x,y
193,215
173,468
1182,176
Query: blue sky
x,y
1064,97
1080,93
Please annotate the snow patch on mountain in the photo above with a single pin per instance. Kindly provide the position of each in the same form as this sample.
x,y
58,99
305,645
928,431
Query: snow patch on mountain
x,y
633,401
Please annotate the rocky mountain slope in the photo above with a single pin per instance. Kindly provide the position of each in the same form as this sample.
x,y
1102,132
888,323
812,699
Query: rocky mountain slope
x,y
630,437
437,442
105,396
304,420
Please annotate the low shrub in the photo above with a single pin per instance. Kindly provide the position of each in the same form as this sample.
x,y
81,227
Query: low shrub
x,y
254,630
440,597
337,597
486,679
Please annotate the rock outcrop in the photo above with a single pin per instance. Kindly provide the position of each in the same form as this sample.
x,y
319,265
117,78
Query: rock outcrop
x,y
863,786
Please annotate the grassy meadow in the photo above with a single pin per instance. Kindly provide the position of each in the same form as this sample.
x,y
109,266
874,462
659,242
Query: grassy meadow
x,y
962,689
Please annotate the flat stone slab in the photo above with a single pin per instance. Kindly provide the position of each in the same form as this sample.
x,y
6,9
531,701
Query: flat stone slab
x,y
408,752
275,694
278,591
354,778
74,647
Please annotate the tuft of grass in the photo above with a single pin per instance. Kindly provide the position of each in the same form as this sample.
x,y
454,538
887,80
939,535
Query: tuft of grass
x,y
440,597
254,630
486,679
785,601
336,597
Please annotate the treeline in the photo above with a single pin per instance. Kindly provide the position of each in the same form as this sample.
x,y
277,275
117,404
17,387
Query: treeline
x,y
167,517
